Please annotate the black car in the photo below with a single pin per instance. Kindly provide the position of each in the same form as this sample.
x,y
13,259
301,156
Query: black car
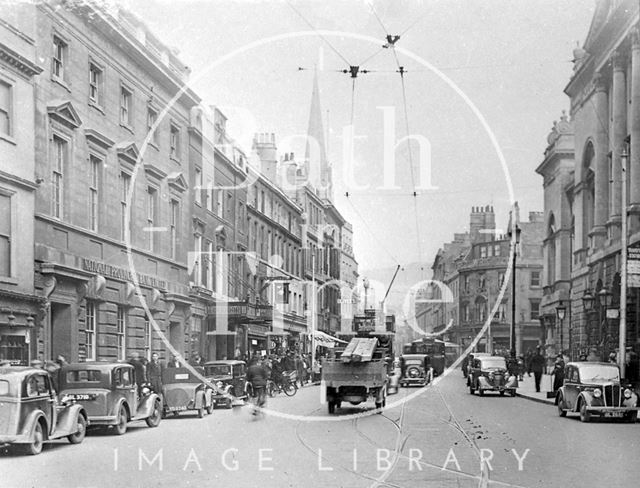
x,y
229,377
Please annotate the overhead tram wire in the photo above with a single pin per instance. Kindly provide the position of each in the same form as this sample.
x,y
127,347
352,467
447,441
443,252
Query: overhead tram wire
x,y
318,33
373,234
391,42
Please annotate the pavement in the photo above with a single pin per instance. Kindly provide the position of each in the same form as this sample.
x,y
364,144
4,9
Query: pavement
x,y
527,389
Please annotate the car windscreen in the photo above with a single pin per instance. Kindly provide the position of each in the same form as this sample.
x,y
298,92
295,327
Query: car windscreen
x,y
597,372
491,363
4,388
83,376
218,370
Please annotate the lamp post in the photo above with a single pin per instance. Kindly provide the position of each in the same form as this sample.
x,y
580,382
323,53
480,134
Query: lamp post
x,y
515,240
604,299
587,301
561,312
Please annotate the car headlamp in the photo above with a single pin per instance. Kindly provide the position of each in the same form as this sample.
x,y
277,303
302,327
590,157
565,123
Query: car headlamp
x,y
219,384
597,393
627,393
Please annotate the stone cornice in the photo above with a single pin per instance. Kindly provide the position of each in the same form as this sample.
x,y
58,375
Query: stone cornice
x,y
22,64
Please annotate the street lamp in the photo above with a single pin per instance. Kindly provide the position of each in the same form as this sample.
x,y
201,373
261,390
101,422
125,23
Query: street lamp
x,y
561,312
515,241
604,299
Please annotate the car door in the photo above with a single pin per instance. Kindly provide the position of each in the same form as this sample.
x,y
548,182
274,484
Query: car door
x,y
125,386
571,386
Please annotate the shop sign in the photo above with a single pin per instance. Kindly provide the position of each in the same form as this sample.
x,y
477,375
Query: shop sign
x,y
109,271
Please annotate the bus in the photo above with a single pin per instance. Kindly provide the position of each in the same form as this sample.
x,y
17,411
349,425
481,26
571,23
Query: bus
x,y
434,348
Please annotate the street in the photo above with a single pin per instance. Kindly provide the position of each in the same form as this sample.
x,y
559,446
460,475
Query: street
x,y
435,438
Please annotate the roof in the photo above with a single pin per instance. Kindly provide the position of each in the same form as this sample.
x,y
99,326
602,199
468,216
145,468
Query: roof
x,y
591,363
18,372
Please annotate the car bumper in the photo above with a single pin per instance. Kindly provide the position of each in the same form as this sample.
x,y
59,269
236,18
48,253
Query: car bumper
x,y
14,439
596,409
414,381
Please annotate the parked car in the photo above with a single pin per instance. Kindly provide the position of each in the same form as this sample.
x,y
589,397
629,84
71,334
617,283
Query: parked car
x,y
110,394
229,378
595,389
30,413
416,370
182,390
489,373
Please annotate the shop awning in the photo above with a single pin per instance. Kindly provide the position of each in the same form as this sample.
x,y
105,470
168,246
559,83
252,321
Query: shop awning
x,y
326,340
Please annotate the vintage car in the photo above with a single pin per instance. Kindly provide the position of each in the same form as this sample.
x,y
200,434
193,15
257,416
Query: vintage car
x,y
416,370
110,394
489,373
30,413
594,389
182,390
229,377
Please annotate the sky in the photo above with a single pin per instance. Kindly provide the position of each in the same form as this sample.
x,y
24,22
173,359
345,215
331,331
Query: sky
x,y
482,86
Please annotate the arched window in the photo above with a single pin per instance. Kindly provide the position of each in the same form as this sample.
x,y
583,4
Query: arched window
x,y
551,251
588,199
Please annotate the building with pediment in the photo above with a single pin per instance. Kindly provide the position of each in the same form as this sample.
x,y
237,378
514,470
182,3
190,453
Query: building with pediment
x,y
583,185
113,223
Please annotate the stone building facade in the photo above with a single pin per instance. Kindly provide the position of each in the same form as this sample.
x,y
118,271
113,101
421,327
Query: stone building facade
x,y
112,213
21,310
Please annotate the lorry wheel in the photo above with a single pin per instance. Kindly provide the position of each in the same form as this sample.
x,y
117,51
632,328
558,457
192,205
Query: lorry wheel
x,y
331,406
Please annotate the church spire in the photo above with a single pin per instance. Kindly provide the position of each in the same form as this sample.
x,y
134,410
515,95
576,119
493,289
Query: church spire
x,y
315,155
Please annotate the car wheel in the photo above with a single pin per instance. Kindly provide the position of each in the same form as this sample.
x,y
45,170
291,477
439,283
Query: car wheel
x,y
480,392
631,416
37,441
471,389
121,426
585,416
153,420
201,412
228,404
331,407
561,411
81,426
512,393
502,393
209,408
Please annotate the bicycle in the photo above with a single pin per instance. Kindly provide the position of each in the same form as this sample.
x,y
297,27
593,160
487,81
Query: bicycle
x,y
287,385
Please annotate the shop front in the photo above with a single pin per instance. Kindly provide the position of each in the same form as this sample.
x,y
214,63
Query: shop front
x,y
18,316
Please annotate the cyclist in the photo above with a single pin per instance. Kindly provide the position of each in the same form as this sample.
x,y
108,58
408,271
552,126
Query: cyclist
x,y
257,376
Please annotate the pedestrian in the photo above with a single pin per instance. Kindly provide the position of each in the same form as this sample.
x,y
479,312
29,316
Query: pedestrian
x,y
613,358
317,370
139,369
558,373
257,376
537,367
61,361
154,373
527,361
300,369
237,355
196,360
53,368
174,363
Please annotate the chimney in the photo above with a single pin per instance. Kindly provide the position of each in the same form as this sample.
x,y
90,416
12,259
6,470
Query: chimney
x,y
482,224
264,145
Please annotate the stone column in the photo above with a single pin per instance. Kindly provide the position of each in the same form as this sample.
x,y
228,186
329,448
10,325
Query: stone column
x,y
634,159
619,129
601,163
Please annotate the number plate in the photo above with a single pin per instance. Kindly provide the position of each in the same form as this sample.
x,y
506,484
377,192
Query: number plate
x,y
79,397
613,414
176,409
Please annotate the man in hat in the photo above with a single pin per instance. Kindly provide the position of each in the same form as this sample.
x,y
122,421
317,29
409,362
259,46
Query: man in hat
x,y
537,367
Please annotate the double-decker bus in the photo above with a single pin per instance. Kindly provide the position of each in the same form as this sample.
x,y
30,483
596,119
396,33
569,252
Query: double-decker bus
x,y
434,348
